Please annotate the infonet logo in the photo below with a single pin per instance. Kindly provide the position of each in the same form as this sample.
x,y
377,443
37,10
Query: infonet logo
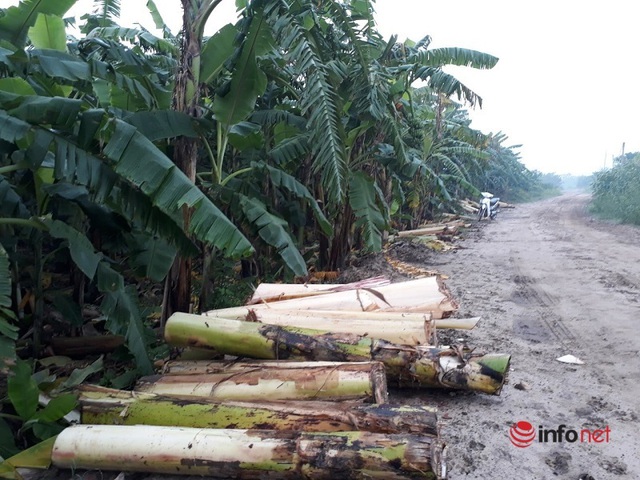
x,y
522,434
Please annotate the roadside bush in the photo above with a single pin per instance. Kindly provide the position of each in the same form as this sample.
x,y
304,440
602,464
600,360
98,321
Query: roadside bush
x,y
616,192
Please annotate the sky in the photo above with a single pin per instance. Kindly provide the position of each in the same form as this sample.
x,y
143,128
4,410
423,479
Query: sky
x,y
566,87
567,84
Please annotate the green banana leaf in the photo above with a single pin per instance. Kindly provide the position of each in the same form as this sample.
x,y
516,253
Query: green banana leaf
x,y
282,179
364,200
134,35
290,149
79,375
11,204
48,32
16,85
124,199
454,56
107,11
151,257
134,158
157,18
170,189
70,68
55,111
215,52
12,129
273,230
440,187
161,124
16,21
119,306
246,136
248,80
447,84
38,456
23,390
80,248
56,409
8,446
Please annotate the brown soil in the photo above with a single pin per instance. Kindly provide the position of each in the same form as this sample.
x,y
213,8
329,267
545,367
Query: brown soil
x,y
548,280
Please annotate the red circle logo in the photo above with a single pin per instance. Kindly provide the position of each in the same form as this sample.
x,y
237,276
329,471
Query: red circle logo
x,y
522,434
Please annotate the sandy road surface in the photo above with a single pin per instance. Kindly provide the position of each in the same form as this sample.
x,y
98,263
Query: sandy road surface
x,y
549,281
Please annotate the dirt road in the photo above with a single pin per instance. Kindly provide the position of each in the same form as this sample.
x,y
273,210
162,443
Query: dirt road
x,y
549,281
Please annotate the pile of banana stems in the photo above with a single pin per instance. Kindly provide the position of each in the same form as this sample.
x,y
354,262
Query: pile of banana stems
x,y
423,295
242,381
405,365
249,453
302,393
100,405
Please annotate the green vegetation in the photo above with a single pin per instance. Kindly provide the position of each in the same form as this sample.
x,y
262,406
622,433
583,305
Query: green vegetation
x,y
505,176
616,192
132,163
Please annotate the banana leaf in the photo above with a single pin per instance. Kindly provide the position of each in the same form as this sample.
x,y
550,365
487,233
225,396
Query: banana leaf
x,y
273,230
119,305
48,32
282,179
157,176
16,21
215,52
365,202
38,456
248,80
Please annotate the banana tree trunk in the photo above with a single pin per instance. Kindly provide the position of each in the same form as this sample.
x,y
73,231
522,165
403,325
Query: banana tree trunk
x,y
448,228
275,292
249,453
457,323
317,317
85,345
409,331
186,99
423,295
405,365
275,381
106,406
342,240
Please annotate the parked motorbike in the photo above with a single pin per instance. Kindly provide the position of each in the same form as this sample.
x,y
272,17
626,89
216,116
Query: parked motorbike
x,y
489,206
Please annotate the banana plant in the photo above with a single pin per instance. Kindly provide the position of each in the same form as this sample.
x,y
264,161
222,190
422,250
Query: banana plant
x,y
450,153
303,106
233,73
73,157
187,100
366,82
504,174
282,85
